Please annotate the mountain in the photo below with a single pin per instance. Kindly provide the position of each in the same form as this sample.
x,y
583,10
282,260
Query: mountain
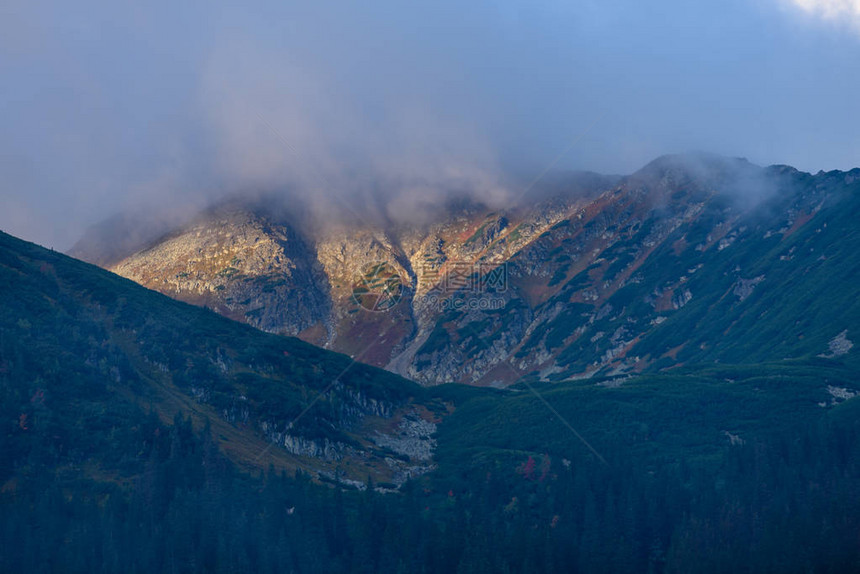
x,y
692,259
85,355
140,433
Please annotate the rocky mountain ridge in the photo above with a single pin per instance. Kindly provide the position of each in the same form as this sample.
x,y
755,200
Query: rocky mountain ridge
x,y
678,262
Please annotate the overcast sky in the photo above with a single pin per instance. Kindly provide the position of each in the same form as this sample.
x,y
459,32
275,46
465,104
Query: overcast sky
x,y
108,106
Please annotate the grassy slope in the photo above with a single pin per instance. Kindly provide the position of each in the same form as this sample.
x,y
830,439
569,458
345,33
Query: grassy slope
x,y
648,422
808,294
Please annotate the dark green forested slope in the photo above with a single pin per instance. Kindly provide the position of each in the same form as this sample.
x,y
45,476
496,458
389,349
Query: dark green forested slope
x,y
84,353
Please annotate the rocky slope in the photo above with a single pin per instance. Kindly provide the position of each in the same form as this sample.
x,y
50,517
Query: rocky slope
x,y
242,266
691,259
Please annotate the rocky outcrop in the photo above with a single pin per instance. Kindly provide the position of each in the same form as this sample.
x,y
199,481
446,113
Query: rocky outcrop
x,y
240,265
744,287
838,346
413,438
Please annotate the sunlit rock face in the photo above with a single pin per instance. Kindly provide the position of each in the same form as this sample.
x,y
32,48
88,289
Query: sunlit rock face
x,y
242,266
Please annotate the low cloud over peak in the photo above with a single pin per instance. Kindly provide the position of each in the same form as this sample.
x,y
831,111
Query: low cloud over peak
x,y
278,125
396,107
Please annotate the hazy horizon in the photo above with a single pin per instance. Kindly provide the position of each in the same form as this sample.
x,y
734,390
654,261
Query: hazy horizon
x,y
108,108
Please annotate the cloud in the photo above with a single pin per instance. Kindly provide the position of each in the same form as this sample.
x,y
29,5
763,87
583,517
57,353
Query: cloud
x,y
835,10
281,126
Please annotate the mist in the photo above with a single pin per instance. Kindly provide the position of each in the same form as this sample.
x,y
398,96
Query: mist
x,y
395,108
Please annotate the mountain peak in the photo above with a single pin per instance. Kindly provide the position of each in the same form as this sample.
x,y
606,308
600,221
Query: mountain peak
x,y
701,167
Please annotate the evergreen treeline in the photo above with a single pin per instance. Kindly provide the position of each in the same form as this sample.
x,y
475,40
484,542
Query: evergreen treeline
x,y
786,505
